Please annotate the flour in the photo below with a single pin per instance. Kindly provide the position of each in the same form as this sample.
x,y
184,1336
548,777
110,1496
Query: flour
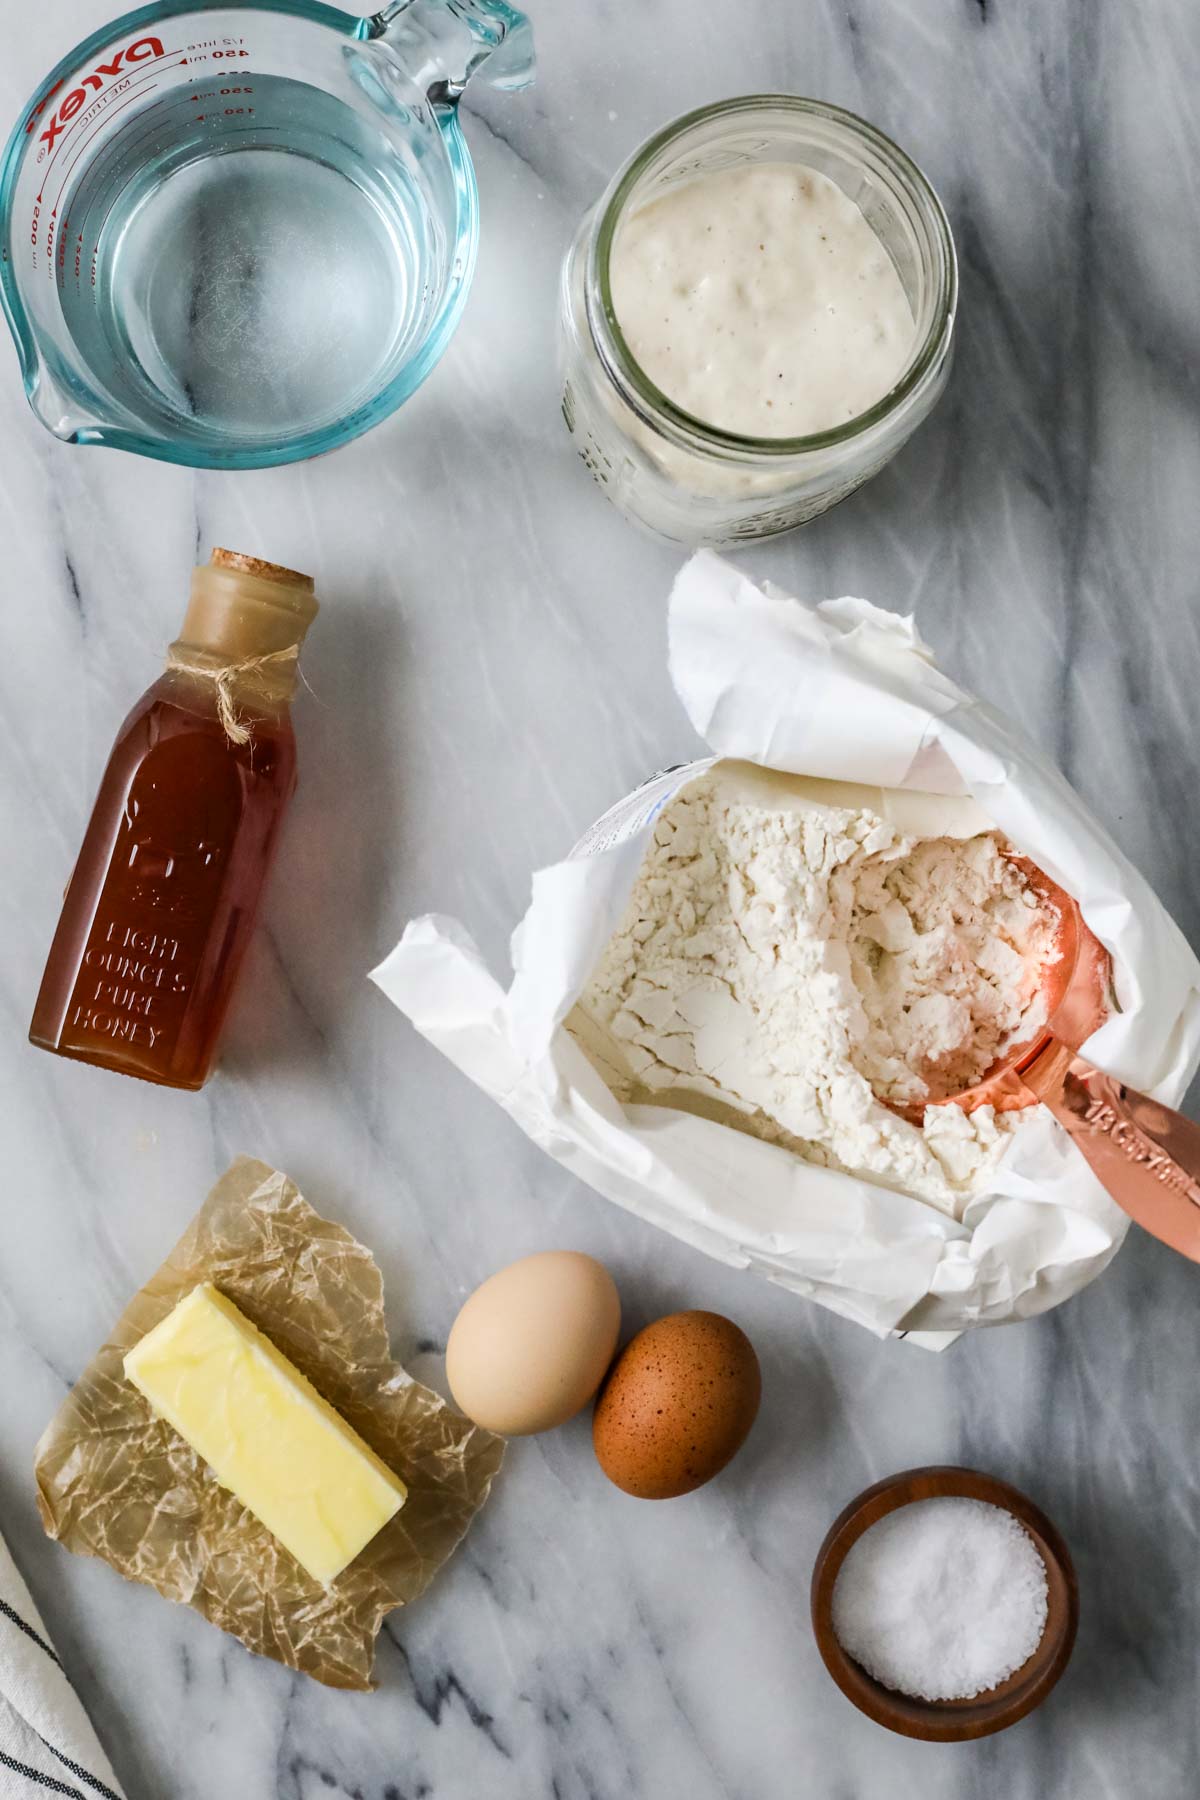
x,y
785,967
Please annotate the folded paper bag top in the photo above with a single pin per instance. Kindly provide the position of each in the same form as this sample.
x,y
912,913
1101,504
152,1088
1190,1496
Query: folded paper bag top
x,y
845,692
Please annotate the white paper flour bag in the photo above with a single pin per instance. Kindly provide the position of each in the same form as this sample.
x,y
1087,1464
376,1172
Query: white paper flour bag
x,y
846,692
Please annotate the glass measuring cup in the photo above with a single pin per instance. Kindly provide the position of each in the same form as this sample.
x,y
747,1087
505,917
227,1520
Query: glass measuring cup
x,y
233,235
1144,1153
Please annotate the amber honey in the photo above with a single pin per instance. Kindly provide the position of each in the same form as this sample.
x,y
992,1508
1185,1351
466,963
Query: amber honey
x,y
170,878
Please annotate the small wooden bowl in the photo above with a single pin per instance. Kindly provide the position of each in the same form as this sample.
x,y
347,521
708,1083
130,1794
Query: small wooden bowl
x,y
948,1721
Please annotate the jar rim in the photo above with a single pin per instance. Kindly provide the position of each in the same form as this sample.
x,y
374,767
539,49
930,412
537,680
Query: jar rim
x,y
650,400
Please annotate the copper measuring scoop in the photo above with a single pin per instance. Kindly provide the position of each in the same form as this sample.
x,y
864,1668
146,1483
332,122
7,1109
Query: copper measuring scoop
x,y
1146,1155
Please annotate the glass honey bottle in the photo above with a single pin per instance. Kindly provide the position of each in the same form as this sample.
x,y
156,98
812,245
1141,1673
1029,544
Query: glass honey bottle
x,y
168,884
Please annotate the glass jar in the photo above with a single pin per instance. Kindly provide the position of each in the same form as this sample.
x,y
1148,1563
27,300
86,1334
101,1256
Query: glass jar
x,y
680,476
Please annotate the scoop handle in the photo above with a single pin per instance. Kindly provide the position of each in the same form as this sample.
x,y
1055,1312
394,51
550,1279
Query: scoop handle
x,y
1146,1155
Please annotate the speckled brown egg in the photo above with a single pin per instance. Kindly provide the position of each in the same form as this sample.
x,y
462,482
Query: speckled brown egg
x,y
676,1405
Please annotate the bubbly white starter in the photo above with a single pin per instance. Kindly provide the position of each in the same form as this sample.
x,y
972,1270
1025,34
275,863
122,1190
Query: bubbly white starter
x,y
785,967
759,299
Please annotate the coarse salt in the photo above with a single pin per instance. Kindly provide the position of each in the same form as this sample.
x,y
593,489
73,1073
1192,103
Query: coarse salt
x,y
942,1599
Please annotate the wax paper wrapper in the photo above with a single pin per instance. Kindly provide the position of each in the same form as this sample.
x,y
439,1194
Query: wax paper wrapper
x,y
115,1482
846,692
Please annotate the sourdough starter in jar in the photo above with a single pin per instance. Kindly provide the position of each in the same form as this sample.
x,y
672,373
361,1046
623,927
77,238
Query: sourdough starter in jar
x,y
756,315
759,300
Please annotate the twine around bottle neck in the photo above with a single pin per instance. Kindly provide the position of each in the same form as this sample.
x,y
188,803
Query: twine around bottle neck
x,y
268,677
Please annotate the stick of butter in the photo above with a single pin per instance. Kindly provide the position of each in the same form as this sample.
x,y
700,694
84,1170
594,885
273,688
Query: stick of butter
x,y
265,1432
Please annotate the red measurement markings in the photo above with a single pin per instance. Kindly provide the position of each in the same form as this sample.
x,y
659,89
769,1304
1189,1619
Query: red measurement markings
x,y
227,112
109,114
152,75
141,136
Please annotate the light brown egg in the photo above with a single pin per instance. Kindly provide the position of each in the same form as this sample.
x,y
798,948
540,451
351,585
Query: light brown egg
x,y
531,1345
678,1403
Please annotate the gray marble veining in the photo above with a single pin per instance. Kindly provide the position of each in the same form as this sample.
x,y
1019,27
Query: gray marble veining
x,y
487,675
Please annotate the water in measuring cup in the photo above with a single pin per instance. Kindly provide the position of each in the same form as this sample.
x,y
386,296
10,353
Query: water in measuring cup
x,y
263,274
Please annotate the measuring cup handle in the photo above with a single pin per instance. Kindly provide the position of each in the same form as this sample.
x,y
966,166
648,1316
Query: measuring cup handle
x,y
443,43
1146,1155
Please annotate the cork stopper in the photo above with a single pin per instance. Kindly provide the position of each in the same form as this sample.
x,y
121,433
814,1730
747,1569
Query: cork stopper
x,y
254,565
244,626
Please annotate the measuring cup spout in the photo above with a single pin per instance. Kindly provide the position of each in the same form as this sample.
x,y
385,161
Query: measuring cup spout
x,y
443,43
57,411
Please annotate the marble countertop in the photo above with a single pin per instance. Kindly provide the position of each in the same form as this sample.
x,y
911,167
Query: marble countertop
x,y
487,675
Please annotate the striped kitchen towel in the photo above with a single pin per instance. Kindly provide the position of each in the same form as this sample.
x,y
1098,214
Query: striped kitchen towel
x,y
47,1745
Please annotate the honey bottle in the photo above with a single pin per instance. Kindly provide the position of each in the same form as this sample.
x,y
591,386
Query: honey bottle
x,y
167,888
